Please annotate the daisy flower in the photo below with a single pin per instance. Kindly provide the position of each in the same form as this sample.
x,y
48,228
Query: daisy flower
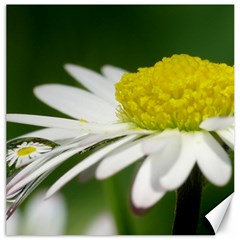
x,y
175,115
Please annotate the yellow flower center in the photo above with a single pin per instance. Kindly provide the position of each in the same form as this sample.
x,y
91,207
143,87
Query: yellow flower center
x,y
26,151
177,92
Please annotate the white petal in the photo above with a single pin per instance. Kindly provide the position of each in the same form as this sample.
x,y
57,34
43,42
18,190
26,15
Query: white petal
x,y
86,163
212,159
45,217
217,123
12,161
179,172
112,73
227,135
117,161
24,172
88,173
54,133
159,141
76,103
143,194
163,160
45,121
93,81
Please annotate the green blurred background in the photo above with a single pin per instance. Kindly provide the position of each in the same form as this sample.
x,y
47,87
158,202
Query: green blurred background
x,y
40,39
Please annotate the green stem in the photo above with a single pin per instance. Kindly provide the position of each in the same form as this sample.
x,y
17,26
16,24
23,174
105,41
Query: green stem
x,y
188,205
117,204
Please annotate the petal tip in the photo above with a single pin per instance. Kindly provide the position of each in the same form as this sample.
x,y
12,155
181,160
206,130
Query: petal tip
x,y
48,195
68,66
138,210
100,175
217,123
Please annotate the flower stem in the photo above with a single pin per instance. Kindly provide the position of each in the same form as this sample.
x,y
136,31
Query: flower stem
x,y
188,204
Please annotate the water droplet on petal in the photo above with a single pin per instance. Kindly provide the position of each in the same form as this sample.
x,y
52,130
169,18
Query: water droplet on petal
x,y
22,151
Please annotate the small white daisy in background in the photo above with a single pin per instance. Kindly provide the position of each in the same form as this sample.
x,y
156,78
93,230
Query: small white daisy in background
x,y
40,217
175,115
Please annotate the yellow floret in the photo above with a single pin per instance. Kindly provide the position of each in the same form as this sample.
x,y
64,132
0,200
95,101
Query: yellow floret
x,y
26,151
177,92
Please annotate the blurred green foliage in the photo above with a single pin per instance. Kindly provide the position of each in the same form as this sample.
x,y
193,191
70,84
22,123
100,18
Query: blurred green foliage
x,y
40,39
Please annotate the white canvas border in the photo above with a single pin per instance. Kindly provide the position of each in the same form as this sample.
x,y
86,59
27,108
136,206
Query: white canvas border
x,y
230,226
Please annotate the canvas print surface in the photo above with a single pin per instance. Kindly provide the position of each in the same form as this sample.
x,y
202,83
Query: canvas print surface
x,y
120,118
